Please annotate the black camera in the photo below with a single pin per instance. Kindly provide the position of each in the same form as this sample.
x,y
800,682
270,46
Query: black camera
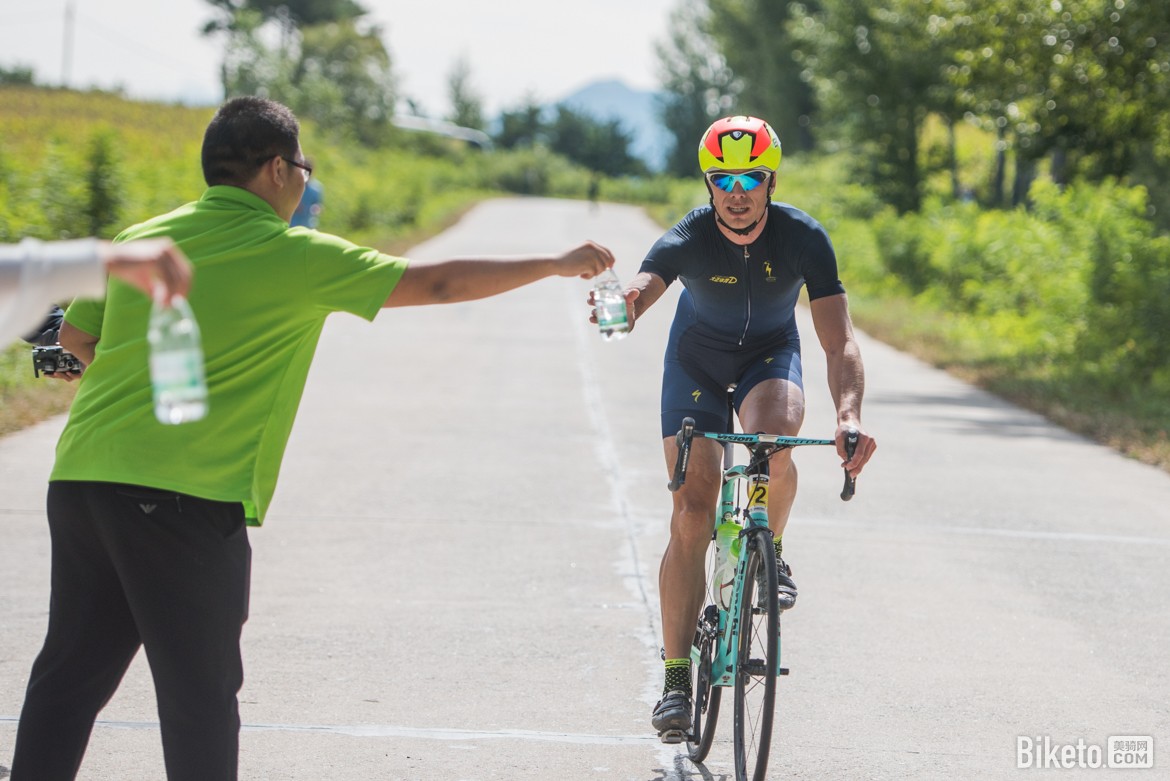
x,y
52,360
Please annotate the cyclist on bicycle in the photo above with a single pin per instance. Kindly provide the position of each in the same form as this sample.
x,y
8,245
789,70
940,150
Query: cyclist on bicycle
x,y
742,260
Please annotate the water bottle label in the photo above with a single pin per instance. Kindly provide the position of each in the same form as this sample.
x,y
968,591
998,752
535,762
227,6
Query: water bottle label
x,y
177,371
612,314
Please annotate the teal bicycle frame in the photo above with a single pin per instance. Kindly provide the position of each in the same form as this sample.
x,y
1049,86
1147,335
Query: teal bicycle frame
x,y
725,653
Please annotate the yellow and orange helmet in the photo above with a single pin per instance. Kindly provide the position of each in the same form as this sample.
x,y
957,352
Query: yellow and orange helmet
x,y
736,143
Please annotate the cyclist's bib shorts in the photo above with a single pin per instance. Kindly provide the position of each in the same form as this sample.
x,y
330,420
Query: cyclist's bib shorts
x,y
696,379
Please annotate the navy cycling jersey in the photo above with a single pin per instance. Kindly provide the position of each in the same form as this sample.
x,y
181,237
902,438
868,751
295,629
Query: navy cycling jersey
x,y
745,295
735,325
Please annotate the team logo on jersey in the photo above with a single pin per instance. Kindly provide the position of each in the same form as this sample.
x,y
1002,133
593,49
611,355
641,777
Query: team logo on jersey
x,y
768,272
696,394
725,280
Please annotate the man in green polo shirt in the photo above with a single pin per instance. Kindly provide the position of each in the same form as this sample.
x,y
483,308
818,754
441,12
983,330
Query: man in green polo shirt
x,y
149,545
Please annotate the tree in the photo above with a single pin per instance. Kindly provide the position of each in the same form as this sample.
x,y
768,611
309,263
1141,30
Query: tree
x,y
753,37
1085,83
326,65
466,104
103,184
601,146
343,79
17,74
697,84
879,72
521,127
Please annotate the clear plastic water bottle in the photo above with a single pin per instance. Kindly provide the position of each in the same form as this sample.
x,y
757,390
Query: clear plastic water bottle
x,y
176,363
727,545
612,318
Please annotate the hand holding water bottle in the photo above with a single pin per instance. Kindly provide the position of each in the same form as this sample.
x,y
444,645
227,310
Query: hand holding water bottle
x,y
611,306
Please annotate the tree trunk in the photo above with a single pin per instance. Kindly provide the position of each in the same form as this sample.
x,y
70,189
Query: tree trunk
x,y
1025,174
1000,174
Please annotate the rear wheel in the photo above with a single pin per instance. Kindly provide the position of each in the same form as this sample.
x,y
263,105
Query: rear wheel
x,y
706,714
757,651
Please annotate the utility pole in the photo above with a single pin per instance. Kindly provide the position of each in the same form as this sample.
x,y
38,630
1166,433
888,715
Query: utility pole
x,y
67,46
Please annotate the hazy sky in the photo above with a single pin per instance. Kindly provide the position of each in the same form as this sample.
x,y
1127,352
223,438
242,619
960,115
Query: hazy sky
x,y
546,48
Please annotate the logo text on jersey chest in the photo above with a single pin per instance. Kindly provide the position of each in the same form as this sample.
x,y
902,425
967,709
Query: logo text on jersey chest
x,y
725,280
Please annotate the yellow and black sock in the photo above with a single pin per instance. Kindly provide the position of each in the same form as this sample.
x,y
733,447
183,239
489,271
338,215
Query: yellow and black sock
x,y
779,543
678,675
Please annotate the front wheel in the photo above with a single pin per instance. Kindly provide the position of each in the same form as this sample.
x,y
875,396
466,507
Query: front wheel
x,y
706,713
757,655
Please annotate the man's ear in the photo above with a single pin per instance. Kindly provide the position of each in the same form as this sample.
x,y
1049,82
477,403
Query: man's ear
x,y
275,171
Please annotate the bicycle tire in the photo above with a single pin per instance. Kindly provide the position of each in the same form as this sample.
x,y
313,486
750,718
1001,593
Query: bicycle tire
x,y
706,713
758,646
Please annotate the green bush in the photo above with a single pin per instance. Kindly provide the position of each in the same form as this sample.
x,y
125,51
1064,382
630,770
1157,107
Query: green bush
x,y
1080,284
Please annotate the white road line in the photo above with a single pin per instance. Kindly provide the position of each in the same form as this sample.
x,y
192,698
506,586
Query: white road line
x,y
391,731
610,461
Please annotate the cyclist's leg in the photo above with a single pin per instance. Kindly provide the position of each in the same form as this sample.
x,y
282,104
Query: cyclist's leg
x,y
681,573
770,398
693,393
776,406
680,576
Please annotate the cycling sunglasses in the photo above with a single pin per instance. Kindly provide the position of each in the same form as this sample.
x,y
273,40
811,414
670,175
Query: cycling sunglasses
x,y
749,180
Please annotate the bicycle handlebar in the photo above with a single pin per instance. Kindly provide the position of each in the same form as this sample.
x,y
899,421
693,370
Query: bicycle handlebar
x,y
687,434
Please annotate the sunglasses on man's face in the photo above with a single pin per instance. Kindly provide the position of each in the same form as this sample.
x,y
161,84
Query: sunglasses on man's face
x,y
748,181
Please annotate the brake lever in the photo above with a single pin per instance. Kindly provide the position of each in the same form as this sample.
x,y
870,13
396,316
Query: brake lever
x,y
683,440
850,487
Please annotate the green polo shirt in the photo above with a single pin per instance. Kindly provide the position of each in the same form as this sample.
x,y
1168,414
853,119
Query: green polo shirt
x,y
261,294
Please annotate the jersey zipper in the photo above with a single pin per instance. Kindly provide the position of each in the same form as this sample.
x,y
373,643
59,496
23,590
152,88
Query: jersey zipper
x,y
747,280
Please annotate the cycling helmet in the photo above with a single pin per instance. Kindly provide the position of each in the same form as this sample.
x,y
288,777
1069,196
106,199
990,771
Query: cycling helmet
x,y
735,143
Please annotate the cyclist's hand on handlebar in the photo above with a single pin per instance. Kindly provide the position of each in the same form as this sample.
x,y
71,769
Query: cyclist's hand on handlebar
x,y
630,295
861,454
586,261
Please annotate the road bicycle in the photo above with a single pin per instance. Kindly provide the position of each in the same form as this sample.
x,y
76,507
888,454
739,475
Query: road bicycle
x,y
737,641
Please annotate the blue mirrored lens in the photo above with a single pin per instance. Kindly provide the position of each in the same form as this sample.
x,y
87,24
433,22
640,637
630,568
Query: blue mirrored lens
x,y
749,181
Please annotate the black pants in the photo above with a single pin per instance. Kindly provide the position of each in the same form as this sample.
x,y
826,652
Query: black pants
x,y
138,566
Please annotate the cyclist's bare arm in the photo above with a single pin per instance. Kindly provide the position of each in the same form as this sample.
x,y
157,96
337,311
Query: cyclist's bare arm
x,y
830,317
646,288
468,279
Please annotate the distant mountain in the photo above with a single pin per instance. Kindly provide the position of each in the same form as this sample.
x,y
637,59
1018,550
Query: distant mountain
x,y
636,109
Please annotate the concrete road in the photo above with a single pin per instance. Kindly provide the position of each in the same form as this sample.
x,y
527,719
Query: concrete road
x,y
458,578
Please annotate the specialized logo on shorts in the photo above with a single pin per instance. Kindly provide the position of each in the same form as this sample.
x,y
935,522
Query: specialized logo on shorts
x,y
696,394
725,280
768,272
769,359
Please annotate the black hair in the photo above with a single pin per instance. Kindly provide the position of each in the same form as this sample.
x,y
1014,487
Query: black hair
x,y
244,134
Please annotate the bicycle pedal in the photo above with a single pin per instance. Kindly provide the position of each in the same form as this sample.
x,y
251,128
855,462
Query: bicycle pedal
x,y
783,671
672,736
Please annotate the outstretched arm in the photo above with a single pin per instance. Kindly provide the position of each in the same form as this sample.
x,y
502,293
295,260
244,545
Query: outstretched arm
x,y
467,279
846,374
